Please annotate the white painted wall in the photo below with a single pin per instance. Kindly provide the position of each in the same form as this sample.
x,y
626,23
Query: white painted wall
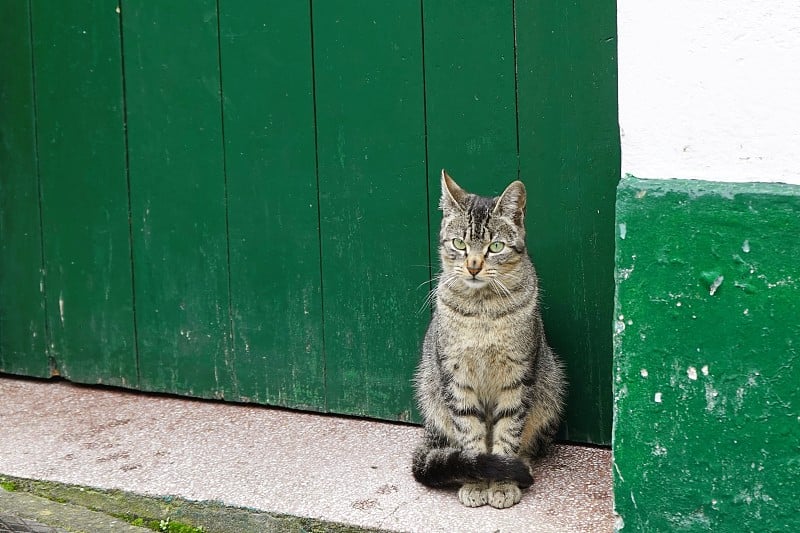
x,y
710,89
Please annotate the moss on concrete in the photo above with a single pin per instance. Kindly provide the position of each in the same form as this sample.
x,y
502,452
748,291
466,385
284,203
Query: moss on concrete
x,y
8,485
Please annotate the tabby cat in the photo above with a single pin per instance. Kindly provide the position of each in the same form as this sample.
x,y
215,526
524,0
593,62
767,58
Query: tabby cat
x,y
489,387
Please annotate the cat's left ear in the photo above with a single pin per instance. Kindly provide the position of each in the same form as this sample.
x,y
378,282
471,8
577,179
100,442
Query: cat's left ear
x,y
511,203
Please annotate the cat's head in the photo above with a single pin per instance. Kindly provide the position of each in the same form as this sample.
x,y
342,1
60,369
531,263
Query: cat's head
x,y
482,239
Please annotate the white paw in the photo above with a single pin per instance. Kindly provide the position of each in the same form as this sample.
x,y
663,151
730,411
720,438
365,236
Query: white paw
x,y
473,494
502,495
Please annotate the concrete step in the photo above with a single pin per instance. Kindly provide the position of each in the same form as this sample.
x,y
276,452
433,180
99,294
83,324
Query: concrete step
x,y
328,469
23,511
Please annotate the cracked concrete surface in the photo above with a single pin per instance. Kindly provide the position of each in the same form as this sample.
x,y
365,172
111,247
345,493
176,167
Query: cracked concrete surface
x,y
323,467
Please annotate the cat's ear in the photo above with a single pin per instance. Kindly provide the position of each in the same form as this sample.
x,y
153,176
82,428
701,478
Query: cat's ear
x,y
453,196
511,203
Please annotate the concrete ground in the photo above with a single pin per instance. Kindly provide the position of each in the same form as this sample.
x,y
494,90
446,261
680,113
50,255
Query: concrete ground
x,y
267,464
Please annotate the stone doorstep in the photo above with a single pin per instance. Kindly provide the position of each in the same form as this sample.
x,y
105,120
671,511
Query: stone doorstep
x,y
271,464
50,507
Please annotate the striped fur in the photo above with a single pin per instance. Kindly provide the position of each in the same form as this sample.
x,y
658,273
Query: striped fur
x,y
489,387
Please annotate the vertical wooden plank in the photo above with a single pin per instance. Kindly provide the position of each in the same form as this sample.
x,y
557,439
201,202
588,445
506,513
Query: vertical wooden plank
x,y
368,67
470,95
177,196
23,346
272,197
81,143
569,145
470,98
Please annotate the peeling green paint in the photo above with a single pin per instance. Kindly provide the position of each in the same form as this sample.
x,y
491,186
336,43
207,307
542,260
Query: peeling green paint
x,y
707,356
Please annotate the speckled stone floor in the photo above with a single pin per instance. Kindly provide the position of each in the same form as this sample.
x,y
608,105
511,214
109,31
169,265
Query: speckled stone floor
x,y
335,469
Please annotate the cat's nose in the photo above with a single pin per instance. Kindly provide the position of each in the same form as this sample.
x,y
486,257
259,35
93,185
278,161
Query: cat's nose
x,y
474,265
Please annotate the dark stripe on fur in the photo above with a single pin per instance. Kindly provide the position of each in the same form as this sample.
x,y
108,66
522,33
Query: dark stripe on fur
x,y
512,445
516,414
505,311
461,386
445,467
526,380
455,307
478,214
473,412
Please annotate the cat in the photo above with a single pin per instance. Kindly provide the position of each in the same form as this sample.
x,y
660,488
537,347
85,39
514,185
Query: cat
x,y
489,387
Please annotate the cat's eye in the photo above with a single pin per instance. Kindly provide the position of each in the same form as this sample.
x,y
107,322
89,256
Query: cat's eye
x,y
496,246
458,244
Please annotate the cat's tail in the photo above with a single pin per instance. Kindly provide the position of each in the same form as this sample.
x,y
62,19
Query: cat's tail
x,y
444,467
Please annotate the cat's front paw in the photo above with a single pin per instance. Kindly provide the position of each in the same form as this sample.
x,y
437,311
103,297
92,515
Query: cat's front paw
x,y
473,494
502,495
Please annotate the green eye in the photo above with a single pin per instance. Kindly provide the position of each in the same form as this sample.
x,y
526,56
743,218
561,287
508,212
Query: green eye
x,y
458,244
496,246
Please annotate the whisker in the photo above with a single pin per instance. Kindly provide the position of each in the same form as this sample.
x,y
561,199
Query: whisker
x,y
513,276
427,302
431,294
506,292
497,287
434,278
442,280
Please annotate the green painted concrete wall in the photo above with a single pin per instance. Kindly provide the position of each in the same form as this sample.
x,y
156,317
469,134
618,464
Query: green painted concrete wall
x,y
706,349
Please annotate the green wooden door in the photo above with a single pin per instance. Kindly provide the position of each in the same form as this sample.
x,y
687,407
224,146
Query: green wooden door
x,y
239,201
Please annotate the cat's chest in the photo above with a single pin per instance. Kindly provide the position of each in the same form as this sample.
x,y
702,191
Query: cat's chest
x,y
481,350
467,334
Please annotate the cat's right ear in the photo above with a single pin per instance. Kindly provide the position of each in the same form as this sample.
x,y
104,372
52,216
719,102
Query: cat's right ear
x,y
453,196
